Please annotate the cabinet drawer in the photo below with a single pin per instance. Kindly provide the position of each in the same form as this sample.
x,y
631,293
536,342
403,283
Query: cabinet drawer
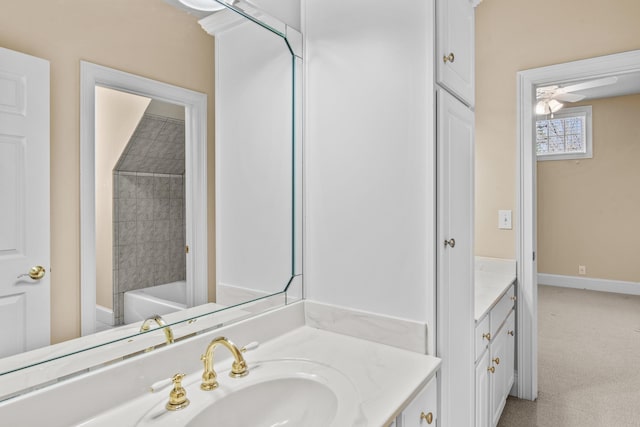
x,y
482,336
501,310
423,410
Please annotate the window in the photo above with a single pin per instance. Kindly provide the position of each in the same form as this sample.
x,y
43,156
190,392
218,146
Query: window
x,y
565,136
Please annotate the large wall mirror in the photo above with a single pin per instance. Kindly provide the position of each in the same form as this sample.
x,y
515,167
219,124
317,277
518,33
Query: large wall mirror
x,y
144,198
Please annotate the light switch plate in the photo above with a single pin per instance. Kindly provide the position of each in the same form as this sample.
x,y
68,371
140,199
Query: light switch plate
x,y
504,220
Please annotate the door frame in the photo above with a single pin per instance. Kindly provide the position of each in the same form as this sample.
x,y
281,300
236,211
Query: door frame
x,y
195,105
527,303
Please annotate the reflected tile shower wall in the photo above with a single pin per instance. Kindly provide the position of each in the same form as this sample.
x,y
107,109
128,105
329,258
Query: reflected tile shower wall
x,y
149,210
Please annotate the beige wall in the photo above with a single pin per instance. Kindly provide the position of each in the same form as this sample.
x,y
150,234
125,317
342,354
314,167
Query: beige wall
x,y
515,35
117,116
143,37
588,209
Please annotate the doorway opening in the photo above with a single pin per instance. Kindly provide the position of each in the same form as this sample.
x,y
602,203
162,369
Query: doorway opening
x,y
526,225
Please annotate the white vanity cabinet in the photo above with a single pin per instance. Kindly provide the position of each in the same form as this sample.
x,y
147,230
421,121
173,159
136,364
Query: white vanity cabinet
x,y
495,359
455,47
423,410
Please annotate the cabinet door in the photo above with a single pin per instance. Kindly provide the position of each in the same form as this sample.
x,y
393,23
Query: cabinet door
x,y
482,391
499,374
423,410
510,352
456,326
456,46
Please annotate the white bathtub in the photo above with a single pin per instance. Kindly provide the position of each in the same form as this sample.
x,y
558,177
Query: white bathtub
x,y
162,299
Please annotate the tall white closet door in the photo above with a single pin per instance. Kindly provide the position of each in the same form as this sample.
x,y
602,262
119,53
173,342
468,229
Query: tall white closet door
x,y
455,259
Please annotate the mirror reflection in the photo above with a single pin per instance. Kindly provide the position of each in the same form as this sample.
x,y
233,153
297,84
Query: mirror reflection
x,y
140,208
142,205
254,158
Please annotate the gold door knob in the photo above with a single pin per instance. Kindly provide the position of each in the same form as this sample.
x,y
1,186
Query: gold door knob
x,y
487,336
510,333
492,369
496,360
513,298
36,273
450,242
449,58
427,417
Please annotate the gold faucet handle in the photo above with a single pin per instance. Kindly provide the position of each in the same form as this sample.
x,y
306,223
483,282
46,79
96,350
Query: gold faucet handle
x,y
178,395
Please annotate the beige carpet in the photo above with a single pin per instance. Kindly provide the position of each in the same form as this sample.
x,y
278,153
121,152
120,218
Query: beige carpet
x,y
588,362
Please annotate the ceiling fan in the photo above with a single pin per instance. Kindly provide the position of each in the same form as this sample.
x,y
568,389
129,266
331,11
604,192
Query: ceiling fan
x,y
549,97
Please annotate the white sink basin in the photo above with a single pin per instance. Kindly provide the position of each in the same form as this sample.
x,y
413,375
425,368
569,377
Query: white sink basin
x,y
283,392
286,401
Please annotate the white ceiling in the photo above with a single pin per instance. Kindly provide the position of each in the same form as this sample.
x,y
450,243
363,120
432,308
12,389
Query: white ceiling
x,y
627,84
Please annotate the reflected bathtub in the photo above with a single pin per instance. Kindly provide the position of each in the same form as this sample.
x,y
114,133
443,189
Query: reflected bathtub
x,y
161,299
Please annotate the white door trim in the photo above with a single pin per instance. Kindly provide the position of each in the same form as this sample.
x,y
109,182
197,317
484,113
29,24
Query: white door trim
x,y
527,81
195,105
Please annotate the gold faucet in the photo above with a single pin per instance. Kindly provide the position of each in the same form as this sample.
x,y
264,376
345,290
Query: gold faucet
x,y
238,369
168,333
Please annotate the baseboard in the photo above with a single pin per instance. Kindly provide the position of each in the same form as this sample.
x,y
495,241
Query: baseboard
x,y
104,315
514,386
601,285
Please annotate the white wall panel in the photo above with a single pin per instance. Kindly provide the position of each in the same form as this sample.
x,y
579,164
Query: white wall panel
x,y
370,156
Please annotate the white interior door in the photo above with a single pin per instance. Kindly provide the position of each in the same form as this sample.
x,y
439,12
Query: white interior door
x,y
455,342
24,202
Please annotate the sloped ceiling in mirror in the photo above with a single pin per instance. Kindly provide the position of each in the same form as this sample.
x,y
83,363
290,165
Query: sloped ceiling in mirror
x,y
157,144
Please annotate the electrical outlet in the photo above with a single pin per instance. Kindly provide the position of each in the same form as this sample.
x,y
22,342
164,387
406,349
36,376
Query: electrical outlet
x,y
582,270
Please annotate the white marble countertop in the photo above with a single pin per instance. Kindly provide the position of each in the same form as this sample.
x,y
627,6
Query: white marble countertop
x,y
386,378
493,276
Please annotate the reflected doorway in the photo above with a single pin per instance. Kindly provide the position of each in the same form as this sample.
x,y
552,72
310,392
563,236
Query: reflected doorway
x,y
193,185
140,207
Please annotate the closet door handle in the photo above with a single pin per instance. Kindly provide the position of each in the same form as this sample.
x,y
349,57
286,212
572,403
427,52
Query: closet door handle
x,y
427,417
448,58
450,242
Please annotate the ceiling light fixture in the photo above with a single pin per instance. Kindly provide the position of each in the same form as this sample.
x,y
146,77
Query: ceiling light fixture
x,y
548,106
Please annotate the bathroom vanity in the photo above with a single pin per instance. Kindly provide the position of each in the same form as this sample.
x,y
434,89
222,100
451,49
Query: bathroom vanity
x,y
494,336
365,250
296,369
